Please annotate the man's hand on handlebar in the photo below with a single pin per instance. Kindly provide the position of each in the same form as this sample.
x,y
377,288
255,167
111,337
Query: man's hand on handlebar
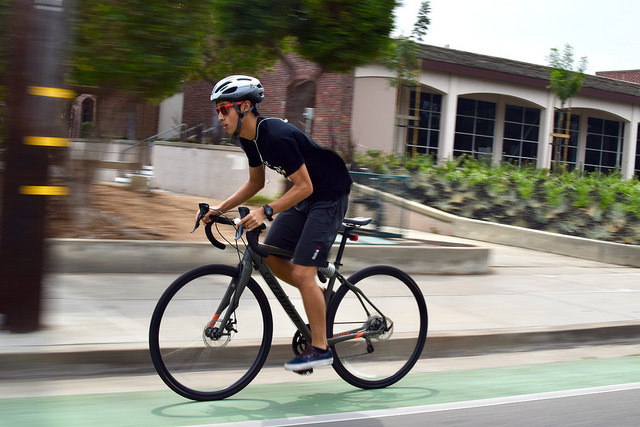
x,y
212,212
254,219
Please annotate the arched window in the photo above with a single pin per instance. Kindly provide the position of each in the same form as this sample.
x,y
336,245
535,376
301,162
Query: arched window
x,y
88,105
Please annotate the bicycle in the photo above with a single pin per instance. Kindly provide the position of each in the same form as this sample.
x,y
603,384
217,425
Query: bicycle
x,y
205,322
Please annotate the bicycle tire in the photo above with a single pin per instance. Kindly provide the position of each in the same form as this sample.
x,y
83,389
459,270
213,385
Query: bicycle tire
x,y
193,365
389,356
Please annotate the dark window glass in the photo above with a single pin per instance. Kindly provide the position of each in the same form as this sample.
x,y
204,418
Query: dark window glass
x,y
610,143
595,125
529,149
532,116
511,148
611,128
465,124
512,130
521,133
594,142
464,142
592,157
486,109
530,133
484,127
513,113
466,107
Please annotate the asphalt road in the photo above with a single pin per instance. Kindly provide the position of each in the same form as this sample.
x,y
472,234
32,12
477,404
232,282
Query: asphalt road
x,y
615,405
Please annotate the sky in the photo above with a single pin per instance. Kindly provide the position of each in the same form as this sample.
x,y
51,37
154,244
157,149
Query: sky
x,y
526,30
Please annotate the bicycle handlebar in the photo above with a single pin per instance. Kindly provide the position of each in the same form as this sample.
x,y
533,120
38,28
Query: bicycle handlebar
x,y
252,236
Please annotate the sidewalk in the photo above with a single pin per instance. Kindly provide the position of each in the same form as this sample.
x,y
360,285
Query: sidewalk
x,y
527,299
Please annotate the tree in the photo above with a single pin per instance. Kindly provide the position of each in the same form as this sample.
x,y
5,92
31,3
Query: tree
x,y
338,35
565,82
139,47
403,58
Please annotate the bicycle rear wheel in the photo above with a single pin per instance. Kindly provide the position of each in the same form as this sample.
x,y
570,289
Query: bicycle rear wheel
x,y
396,310
194,365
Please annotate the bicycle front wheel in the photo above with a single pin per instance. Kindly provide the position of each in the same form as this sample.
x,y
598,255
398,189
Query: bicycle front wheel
x,y
191,360
388,331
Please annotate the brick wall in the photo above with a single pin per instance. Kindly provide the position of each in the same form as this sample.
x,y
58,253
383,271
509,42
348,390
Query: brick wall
x,y
197,109
113,117
333,101
632,76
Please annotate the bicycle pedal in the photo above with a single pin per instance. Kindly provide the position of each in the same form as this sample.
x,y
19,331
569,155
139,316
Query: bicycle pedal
x,y
305,371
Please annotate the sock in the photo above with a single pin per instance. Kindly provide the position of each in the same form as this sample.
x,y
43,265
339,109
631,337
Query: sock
x,y
320,350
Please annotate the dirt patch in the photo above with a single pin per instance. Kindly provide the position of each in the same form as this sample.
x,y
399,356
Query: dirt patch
x,y
117,212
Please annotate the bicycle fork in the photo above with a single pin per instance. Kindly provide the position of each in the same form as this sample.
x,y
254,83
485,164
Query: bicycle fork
x,y
229,303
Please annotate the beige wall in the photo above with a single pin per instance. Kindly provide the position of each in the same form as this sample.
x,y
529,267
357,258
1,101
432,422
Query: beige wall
x,y
372,126
170,114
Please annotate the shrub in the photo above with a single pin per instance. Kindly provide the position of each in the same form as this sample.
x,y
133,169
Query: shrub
x,y
593,205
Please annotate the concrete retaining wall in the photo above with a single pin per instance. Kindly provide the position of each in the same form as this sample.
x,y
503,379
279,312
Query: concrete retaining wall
x,y
144,256
213,171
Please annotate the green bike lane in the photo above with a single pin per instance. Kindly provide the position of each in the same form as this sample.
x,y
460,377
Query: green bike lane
x,y
309,398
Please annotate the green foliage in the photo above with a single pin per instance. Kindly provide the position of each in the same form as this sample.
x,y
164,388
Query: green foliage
x,y
342,34
337,35
137,46
525,183
421,26
592,205
565,82
402,55
554,192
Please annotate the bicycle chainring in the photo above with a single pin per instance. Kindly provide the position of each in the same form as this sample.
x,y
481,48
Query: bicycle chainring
x,y
299,343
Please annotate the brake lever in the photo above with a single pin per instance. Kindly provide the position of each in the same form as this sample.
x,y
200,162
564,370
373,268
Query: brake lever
x,y
204,208
243,211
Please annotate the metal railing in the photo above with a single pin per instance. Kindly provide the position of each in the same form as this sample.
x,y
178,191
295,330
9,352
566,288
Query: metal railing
x,y
148,142
387,222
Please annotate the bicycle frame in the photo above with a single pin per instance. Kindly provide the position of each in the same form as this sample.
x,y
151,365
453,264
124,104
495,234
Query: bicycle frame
x,y
251,259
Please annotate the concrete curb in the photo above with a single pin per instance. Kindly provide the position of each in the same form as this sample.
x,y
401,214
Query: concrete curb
x,y
146,256
578,247
117,359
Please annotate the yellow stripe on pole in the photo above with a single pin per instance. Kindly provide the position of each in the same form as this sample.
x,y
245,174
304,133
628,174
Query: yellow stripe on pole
x,y
51,92
43,190
46,141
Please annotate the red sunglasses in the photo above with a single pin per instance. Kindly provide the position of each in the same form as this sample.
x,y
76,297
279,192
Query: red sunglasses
x,y
224,109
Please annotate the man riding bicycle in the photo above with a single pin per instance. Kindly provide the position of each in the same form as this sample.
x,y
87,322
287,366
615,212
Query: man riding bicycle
x,y
309,213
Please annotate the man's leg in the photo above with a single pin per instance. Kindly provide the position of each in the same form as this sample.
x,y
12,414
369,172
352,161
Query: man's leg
x,y
304,278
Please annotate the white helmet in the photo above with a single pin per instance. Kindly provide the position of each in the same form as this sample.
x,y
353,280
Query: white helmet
x,y
238,88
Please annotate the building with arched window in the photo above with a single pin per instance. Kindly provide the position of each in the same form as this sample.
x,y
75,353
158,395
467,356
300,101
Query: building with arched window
x,y
500,109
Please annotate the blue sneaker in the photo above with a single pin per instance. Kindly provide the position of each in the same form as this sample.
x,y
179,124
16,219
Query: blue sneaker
x,y
309,359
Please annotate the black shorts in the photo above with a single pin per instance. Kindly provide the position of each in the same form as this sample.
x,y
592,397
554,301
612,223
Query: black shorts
x,y
308,230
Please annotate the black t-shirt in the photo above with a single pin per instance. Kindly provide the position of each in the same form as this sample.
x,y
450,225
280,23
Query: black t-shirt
x,y
284,148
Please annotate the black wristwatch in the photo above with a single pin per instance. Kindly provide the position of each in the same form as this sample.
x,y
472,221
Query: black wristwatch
x,y
268,211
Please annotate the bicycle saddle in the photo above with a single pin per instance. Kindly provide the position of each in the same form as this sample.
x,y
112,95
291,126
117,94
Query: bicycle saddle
x,y
356,222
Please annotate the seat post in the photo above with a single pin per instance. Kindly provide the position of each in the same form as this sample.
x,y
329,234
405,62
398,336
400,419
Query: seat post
x,y
345,236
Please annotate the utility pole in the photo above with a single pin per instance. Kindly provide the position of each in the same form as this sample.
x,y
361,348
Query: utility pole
x,y
36,126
